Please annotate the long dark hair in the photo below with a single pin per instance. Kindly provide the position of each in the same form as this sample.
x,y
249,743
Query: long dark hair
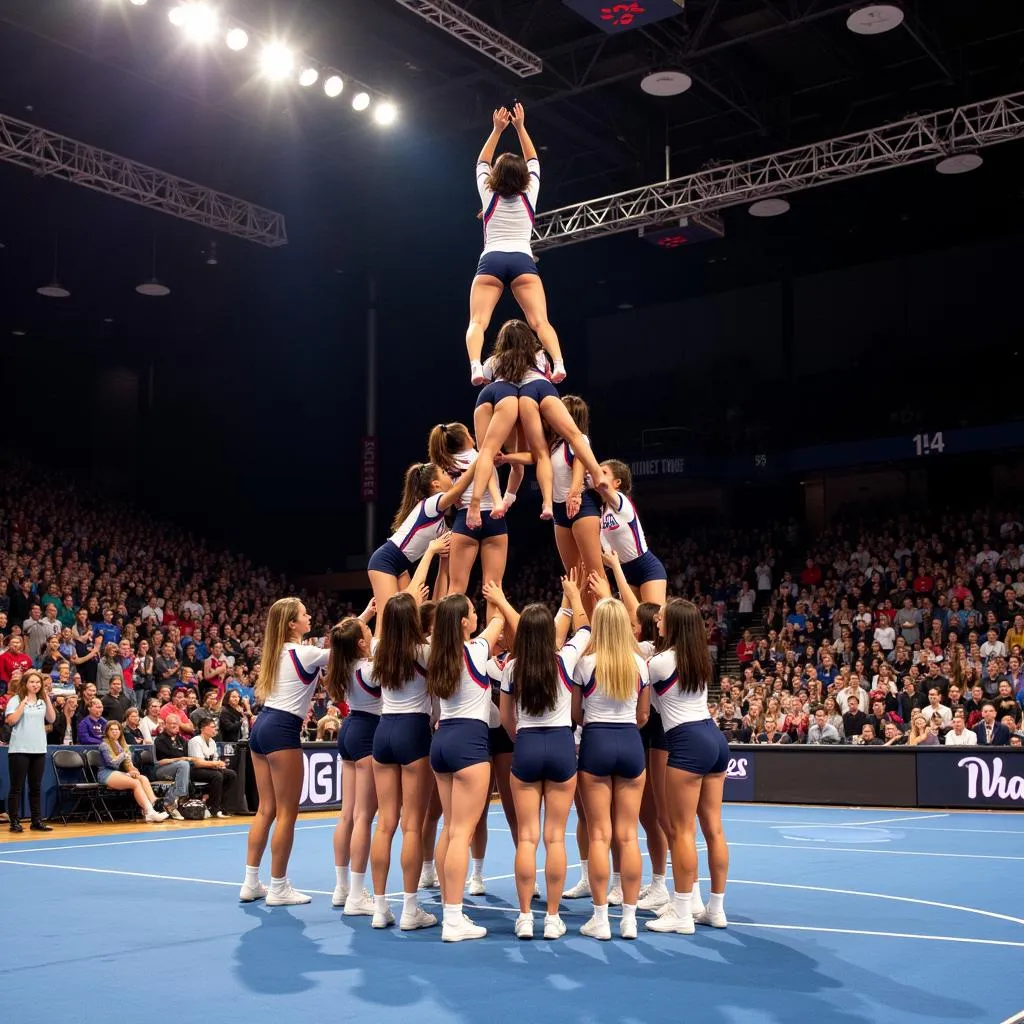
x,y
535,673
509,175
345,638
444,669
428,609
515,351
646,617
394,663
685,636
447,439
418,480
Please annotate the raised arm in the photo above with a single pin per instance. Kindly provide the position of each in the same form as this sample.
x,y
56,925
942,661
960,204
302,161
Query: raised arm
x,y
454,495
518,118
626,595
496,596
419,578
499,120
572,602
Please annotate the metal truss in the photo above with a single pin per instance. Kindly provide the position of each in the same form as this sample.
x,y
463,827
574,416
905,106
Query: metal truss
x,y
919,138
49,154
478,34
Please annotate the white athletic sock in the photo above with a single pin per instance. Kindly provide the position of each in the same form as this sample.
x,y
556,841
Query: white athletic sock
x,y
585,872
358,882
452,913
409,903
681,901
252,875
628,912
658,880
148,807
342,874
716,903
478,867
380,904
601,912
696,901
428,865
616,880
278,884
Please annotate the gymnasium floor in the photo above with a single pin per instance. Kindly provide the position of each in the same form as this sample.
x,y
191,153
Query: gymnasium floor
x,y
835,915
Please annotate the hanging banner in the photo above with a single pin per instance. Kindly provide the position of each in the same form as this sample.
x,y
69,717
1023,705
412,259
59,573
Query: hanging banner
x,y
368,470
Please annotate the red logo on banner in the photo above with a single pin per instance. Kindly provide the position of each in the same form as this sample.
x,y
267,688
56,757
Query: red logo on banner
x,y
368,470
621,15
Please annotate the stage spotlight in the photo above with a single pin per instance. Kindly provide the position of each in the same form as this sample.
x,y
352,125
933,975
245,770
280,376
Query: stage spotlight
x,y
333,86
200,23
177,16
360,101
139,3
277,61
308,77
385,113
237,39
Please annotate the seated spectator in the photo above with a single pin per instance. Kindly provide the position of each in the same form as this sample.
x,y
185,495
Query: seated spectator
x,y
108,668
130,727
854,720
879,716
309,727
189,659
143,673
64,729
1006,704
328,727
959,735
852,689
920,734
151,724
209,709
893,737
208,767
834,716
868,737
166,666
173,763
991,733
116,702
772,733
118,771
179,708
235,717
62,683
51,657
936,709
820,730
91,727
12,659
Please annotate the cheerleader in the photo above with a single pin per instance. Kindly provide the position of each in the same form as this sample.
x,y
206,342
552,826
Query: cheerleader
x,y
450,447
508,196
459,752
427,494
622,533
285,689
401,745
612,700
698,756
536,710
350,681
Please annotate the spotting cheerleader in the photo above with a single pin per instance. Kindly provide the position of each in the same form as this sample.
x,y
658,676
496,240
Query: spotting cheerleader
x,y
508,197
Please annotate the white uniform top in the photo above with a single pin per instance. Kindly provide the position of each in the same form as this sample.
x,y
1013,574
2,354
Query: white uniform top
x,y
464,460
675,705
561,714
508,223
411,697
472,697
647,648
562,458
621,531
495,668
422,525
539,370
297,672
364,692
597,705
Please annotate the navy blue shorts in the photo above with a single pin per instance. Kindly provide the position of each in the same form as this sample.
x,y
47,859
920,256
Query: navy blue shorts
x,y
538,390
495,392
644,569
489,528
612,748
401,739
459,743
698,747
387,558
544,754
355,741
653,733
275,730
506,266
499,741
588,507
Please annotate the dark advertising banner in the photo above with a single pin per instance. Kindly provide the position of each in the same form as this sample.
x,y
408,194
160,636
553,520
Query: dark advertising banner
x,y
321,777
969,777
739,777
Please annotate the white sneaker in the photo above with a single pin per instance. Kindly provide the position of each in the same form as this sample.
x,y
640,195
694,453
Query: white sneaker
x,y
287,897
579,891
595,929
655,898
627,928
382,919
644,890
711,920
154,816
251,893
221,814
360,905
615,896
207,814
476,886
524,926
463,929
339,896
554,927
670,921
175,813
419,918
428,877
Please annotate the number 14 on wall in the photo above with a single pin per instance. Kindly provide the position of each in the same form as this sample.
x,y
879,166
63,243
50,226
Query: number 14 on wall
x,y
925,444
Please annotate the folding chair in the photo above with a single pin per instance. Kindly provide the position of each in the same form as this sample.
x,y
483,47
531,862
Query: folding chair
x,y
73,781
94,763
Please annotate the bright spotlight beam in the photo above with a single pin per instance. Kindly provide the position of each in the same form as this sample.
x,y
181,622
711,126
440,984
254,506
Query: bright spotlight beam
x,y
360,101
308,77
200,23
177,16
385,113
237,39
276,61
333,86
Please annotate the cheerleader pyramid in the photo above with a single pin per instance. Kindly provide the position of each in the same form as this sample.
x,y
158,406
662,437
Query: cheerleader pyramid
x,y
609,693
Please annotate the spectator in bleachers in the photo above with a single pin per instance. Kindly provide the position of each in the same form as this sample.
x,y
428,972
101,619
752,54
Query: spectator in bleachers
x,y
215,669
178,708
210,709
936,709
118,772
130,725
235,717
13,660
63,731
173,764
208,767
151,723
116,703
167,667
854,719
991,733
959,735
920,734
90,728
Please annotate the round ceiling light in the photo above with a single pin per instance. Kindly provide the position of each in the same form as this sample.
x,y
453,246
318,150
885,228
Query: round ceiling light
x,y
666,83
154,288
959,163
768,208
875,19
53,291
